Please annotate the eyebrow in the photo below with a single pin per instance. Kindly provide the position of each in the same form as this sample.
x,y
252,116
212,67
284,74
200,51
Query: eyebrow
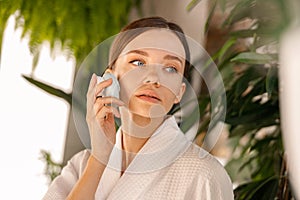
x,y
170,57
139,52
167,57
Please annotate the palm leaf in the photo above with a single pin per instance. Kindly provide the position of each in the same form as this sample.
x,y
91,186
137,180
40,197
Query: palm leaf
x,y
50,89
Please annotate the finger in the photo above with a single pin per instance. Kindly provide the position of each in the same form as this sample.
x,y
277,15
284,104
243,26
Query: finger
x,y
109,101
93,82
115,112
90,92
99,106
105,111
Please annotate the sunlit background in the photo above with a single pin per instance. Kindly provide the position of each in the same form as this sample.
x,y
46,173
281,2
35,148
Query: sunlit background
x,y
30,119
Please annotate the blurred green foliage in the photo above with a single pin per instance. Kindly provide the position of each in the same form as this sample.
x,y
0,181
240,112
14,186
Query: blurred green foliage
x,y
52,168
248,61
73,28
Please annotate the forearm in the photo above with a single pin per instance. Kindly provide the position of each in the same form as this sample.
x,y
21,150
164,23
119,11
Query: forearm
x,y
100,120
87,184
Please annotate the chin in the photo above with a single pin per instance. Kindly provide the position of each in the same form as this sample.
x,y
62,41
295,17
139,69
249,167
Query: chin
x,y
153,111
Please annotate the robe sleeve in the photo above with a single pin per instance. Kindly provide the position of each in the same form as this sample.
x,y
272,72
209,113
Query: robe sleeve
x,y
218,188
63,184
216,185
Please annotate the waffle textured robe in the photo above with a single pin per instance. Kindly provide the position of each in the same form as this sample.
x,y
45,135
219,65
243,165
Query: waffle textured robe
x,y
167,167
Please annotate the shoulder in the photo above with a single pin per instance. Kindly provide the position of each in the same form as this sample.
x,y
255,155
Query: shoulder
x,y
80,157
205,172
201,159
75,166
78,161
203,163
63,184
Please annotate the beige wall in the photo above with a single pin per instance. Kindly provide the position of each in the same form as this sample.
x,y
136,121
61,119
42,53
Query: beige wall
x,y
192,22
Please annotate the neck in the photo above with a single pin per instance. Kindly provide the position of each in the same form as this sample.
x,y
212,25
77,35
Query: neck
x,y
136,130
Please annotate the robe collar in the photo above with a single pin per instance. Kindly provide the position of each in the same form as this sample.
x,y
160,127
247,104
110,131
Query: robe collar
x,y
162,148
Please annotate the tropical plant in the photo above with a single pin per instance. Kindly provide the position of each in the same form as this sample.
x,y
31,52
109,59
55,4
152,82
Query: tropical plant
x,y
73,28
52,168
248,61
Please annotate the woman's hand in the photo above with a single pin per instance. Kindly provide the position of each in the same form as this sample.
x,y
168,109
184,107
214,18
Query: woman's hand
x,y
100,119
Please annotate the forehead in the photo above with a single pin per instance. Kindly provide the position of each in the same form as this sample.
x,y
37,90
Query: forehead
x,y
161,39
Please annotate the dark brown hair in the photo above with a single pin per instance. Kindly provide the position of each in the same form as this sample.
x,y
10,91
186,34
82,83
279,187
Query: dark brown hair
x,y
142,25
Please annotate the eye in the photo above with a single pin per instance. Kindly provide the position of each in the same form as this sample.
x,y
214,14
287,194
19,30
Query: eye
x,y
171,69
138,63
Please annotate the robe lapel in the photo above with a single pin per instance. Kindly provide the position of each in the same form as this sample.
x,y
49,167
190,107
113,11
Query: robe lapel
x,y
160,151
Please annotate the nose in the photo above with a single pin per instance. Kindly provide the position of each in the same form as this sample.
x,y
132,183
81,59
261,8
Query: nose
x,y
152,76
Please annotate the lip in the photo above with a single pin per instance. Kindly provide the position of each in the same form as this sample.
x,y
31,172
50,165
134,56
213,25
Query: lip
x,y
149,96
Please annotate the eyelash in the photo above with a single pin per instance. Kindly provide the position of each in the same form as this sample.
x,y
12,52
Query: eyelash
x,y
141,61
173,69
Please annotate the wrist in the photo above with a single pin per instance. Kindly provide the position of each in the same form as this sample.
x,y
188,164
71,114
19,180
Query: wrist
x,y
102,153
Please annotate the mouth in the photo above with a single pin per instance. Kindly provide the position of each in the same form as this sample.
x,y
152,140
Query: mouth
x,y
149,96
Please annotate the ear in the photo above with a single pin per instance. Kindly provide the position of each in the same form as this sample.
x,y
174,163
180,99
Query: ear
x,y
108,70
180,93
111,71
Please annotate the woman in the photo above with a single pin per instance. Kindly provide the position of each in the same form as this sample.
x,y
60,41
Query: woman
x,y
148,157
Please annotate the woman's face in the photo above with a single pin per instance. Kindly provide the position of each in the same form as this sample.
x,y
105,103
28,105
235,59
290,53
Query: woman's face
x,y
150,71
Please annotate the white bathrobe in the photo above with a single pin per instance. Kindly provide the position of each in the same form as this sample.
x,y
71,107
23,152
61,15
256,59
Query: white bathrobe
x,y
167,167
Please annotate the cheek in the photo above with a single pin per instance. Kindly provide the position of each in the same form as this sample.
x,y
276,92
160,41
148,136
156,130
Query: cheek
x,y
169,100
130,81
121,66
121,70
